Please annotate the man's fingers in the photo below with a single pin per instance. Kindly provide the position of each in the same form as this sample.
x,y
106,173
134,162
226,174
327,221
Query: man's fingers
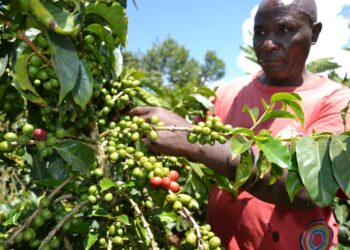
x,y
140,111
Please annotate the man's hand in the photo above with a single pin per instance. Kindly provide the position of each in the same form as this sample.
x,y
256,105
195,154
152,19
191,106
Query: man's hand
x,y
168,142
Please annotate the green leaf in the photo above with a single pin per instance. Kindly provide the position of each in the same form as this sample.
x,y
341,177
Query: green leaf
x,y
150,99
297,109
63,18
275,173
12,218
114,16
78,154
123,218
154,87
65,61
315,169
246,131
106,184
275,152
340,155
239,144
277,114
205,91
83,88
263,166
38,170
196,169
90,240
224,183
23,82
118,62
103,34
166,217
253,112
293,184
341,212
243,170
204,101
57,168
285,97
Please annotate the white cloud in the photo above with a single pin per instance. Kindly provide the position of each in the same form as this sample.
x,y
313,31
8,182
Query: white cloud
x,y
335,35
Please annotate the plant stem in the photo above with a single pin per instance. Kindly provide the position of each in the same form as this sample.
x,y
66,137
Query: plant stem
x,y
144,223
174,128
184,212
61,222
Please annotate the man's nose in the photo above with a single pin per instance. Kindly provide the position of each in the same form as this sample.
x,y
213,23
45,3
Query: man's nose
x,y
269,45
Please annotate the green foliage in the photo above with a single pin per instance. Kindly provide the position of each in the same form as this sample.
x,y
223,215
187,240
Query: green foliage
x,y
75,170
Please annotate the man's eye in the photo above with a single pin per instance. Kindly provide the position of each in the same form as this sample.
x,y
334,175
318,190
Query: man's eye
x,y
285,30
259,33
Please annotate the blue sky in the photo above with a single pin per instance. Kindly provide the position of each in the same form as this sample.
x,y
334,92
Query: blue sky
x,y
202,25
199,25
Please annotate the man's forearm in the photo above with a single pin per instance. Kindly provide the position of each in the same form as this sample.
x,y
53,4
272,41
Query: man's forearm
x,y
218,158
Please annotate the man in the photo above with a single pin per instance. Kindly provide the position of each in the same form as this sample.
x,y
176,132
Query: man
x,y
262,217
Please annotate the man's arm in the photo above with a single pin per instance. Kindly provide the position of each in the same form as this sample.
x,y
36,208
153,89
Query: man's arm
x,y
217,157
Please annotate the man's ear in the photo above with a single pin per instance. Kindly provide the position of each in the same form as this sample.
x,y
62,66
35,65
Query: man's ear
x,y
316,30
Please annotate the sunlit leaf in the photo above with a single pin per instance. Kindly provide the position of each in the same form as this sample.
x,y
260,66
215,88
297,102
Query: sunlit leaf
x,y
253,112
285,97
106,184
277,114
275,152
205,91
23,82
90,240
114,16
150,99
118,62
204,101
239,144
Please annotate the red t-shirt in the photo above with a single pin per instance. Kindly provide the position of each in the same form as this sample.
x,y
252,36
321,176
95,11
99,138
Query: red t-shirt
x,y
247,222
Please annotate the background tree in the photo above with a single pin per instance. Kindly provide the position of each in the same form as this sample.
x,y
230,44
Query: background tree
x,y
170,63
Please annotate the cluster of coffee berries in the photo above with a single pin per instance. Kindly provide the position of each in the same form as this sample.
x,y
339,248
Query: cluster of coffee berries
x,y
167,182
209,131
208,238
179,200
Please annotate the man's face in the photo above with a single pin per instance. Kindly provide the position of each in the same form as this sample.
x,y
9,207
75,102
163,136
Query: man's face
x,y
282,40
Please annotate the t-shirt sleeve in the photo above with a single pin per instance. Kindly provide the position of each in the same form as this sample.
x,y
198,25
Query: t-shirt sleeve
x,y
329,119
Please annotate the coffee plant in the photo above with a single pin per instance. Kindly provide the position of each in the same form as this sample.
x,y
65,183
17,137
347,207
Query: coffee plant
x,y
75,173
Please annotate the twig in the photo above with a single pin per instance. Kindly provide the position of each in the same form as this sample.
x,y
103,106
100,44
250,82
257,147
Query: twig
x,y
174,128
25,39
144,223
29,220
184,212
58,188
109,246
63,197
67,244
61,222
